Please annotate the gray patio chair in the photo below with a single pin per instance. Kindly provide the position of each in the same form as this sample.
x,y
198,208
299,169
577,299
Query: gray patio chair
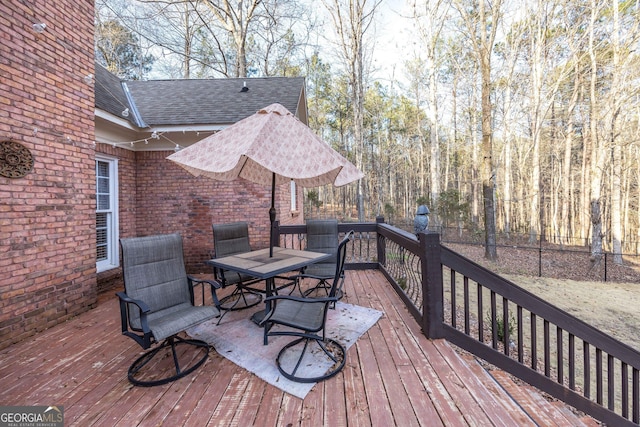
x,y
157,305
322,236
230,239
307,317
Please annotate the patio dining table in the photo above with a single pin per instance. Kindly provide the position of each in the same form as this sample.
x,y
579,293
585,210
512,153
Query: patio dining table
x,y
260,265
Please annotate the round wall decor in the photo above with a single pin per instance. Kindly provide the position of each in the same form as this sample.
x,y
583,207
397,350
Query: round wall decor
x,y
15,160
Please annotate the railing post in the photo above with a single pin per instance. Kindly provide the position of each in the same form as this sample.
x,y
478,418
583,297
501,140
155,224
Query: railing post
x,y
380,244
432,304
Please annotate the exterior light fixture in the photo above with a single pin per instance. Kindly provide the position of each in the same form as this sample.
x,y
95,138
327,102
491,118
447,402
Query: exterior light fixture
x,y
39,27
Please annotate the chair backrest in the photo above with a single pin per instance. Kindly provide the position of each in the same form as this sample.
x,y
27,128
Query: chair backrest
x,y
322,236
154,272
341,256
231,238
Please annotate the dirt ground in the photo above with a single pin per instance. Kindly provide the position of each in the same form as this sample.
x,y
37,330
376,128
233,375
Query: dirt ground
x,y
612,307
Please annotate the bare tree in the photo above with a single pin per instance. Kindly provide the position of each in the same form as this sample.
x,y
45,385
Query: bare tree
x,y
351,20
598,153
209,38
481,20
236,18
430,18
118,48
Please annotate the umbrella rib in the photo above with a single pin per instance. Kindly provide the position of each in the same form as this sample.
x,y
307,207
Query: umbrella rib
x,y
244,163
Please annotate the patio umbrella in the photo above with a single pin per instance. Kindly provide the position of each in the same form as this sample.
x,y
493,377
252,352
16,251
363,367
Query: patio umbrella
x,y
269,147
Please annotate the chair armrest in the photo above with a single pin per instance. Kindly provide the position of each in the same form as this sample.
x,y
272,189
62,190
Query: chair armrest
x,y
145,339
144,308
214,284
195,281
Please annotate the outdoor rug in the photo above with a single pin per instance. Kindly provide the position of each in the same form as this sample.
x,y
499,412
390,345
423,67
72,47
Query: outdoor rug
x,y
240,340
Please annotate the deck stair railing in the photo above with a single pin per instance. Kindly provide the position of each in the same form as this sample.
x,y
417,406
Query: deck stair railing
x,y
491,317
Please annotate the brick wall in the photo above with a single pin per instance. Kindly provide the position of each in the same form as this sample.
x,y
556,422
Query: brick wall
x,y
47,218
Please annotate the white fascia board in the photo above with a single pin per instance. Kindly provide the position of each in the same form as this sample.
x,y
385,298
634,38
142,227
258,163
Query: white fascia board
x,y
188,128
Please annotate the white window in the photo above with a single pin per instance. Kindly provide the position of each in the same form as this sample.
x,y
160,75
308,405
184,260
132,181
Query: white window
x,y
293,196
106,214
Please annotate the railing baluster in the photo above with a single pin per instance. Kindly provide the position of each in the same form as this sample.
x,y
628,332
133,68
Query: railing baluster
x,y
534,342
636,395
560,354
611,393
466,306
453,299
505,325
599,377
520,335
480,311
586,354
572,362
547,348
494,321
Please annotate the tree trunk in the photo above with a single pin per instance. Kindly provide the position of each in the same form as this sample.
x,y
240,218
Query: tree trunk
x,y
616,167
597,156
487,169
565,225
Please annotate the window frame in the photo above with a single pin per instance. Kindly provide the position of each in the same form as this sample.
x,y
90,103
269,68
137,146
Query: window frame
x,y
113,254
294,196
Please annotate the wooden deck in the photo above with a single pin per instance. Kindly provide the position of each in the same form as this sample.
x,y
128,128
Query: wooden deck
x,y
393,376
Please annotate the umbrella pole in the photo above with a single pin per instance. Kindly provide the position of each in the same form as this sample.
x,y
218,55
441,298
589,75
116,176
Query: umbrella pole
x,y
272,213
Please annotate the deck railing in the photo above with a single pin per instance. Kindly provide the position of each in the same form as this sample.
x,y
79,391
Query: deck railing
x,y
491,317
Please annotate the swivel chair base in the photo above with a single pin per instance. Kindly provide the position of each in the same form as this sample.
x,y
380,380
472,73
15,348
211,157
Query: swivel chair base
x,y
333,351
168,347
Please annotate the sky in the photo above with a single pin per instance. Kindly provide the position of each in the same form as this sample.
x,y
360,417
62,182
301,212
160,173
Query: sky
x,y
393,40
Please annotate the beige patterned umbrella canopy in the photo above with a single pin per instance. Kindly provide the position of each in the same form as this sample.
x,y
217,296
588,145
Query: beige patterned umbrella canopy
x,y
271,141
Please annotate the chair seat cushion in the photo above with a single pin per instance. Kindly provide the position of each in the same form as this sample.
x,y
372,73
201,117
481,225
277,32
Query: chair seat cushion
x,y
307,315
175,319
